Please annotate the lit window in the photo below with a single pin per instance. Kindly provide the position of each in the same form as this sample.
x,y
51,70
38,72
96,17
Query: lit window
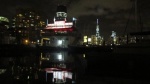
x,y
20,15
19,31
32,24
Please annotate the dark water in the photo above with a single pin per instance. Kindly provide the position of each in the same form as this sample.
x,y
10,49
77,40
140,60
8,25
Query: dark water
x,y
86,68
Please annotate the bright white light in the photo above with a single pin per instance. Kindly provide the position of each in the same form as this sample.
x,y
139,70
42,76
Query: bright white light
x,y
62,23
89,39
38,41
84,55
59,56
60,75
28,77
74,19
59,42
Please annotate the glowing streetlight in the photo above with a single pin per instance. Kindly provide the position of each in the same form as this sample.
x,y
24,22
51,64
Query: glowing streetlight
x,y
26,41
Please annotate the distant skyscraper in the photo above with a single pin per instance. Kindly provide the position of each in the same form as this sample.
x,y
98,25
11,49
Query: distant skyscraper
x,y
97,30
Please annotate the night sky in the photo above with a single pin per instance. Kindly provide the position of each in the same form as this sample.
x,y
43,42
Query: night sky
x,y
113,15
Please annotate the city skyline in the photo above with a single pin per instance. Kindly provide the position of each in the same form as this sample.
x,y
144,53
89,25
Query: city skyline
x,y
113,14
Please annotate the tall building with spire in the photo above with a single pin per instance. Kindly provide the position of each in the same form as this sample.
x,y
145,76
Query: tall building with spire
x,y
97,30
98,37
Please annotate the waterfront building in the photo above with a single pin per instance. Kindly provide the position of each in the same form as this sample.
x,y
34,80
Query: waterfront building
x,y
27,18
99,39
60,33
97,30
27,23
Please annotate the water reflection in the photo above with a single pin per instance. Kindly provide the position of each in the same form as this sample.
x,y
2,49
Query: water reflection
x,y
42,67
73,67
59,64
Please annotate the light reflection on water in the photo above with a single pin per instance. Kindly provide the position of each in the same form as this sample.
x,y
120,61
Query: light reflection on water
x,y
31,67
38,67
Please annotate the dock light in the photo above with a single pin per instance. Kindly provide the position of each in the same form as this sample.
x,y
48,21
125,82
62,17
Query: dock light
x,y
59,42
59,56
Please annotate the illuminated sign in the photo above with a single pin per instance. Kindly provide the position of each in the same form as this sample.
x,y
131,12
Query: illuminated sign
x,y
59,25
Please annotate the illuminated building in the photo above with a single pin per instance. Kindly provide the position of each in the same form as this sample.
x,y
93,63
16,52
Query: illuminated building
x,y
99,40
27,18
4,25
60,24
85,40
97,30
115,39
60,33
94,39
27,23
59,69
